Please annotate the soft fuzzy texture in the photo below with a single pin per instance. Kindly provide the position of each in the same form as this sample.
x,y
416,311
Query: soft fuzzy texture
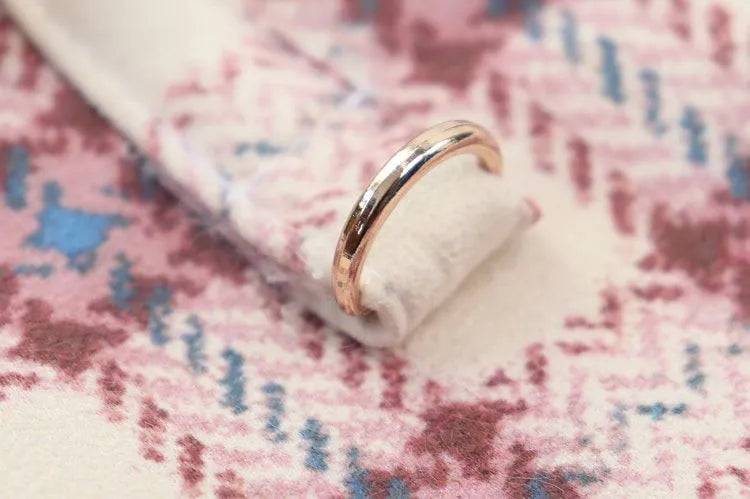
x,y
603,354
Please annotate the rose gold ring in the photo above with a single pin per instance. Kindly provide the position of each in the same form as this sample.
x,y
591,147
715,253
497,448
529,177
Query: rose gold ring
x,y
420,155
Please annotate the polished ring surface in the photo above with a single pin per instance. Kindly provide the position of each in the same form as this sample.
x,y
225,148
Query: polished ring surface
x,y
420,155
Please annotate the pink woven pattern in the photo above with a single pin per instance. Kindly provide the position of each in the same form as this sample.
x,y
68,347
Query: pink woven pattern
x,y
635,131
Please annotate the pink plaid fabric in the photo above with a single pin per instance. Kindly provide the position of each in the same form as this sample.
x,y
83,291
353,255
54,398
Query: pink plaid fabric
x,y
139,355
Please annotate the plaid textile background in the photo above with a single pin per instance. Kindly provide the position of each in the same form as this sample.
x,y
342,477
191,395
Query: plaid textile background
x,y
139,355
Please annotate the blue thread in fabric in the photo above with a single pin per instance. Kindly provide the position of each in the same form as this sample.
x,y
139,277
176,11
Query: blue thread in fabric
x,y
581,477
159,307
497,8
696,381
147,179
397,489
692,368
195,342
679,408
356,480
121,282
610,70
15,181
316,455
76,234
569,35
273,426
275,402
531,11
145,172
234,381
652,93
619,415
691,122
658,410
44,270
262,148
738,171
369,7
535,487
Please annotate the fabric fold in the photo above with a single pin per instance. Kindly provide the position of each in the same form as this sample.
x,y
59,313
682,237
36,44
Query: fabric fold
x,y
274,136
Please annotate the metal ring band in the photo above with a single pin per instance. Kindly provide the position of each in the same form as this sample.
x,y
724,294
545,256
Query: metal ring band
x,y
420,155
